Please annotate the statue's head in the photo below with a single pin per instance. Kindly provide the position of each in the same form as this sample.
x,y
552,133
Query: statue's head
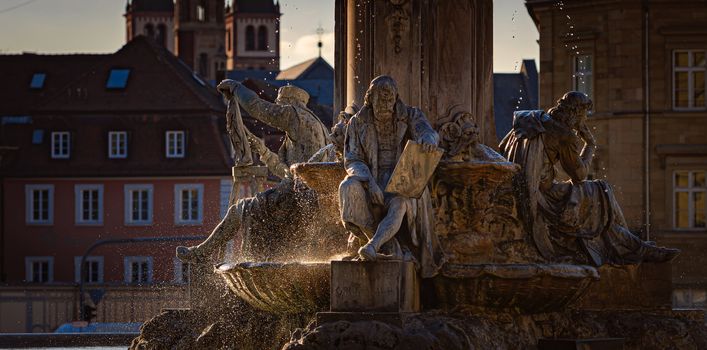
x,y
381,94
292,95
338,131
338,134
572,108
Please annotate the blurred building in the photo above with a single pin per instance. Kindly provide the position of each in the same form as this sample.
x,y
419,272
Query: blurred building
x,y
643,64
151,18
513,92
253,35
124,145
211,36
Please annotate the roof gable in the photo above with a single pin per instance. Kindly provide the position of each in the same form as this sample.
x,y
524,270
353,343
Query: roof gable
x,y
316,68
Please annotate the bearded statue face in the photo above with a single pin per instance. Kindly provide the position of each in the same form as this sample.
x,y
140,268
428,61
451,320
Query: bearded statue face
x,y
383,100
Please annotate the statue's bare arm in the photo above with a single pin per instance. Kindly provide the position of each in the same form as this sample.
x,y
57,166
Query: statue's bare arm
x,y
280,117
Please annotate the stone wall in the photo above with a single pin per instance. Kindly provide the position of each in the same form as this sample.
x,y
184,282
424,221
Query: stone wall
x,y
614,33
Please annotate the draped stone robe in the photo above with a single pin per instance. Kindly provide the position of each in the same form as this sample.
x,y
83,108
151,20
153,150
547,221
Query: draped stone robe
x,y
572,218
362,164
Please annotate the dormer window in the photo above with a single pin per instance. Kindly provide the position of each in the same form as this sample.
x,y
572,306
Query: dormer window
x,y
117,144
61,144
37,81
174,144
118,78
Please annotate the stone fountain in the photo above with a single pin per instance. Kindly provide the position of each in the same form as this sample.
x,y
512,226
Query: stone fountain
x,y
503,269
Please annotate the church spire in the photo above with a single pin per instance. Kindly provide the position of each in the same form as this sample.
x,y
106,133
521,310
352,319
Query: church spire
x,y
320,31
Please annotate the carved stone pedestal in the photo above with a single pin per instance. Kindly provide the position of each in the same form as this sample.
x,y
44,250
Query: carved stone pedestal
x,y
385,291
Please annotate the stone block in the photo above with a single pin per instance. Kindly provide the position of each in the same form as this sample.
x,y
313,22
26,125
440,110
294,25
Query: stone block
x,y
380,286
630,287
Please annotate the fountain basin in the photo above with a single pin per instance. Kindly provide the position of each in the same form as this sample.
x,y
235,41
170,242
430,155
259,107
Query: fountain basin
x,y
530,288
323,177
282,288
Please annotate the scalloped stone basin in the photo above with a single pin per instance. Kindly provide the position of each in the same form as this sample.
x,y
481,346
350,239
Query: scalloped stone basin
x,y
531,288
280,287
322,177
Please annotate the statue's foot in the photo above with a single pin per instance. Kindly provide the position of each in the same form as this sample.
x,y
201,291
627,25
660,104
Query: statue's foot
x,y
661,254
189,254
368,252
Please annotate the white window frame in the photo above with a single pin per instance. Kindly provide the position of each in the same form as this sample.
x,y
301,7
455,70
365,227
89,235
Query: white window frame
x,y
128,191
225,195
576,73
29,271
172,138
690,80
77,268
178,204
200,13
78,204
690,200
120,151
57,140
179,271
128,268
29,204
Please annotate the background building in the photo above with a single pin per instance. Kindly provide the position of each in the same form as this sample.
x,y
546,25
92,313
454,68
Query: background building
x,y
124,145
253,35
200,36
643,64
513,92
211,36
151,18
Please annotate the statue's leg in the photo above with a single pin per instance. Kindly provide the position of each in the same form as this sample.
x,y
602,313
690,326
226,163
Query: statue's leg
x,y
356,213
224,232
387,229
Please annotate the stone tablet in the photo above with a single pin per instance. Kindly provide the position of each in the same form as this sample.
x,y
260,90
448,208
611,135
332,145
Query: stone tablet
x,y
413,171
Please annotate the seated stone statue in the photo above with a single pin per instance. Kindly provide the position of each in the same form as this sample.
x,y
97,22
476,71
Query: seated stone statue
x,y
577,220
269,212
375,138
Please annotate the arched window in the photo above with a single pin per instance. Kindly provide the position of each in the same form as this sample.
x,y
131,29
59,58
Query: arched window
x,y
161,34
202,14
203,65
262,38
150,31
249,38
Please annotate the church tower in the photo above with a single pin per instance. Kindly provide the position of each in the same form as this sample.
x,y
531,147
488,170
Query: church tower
x,y
253,35
200,36
151,18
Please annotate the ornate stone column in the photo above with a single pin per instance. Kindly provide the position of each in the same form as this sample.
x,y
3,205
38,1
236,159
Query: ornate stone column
x,y
440,53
